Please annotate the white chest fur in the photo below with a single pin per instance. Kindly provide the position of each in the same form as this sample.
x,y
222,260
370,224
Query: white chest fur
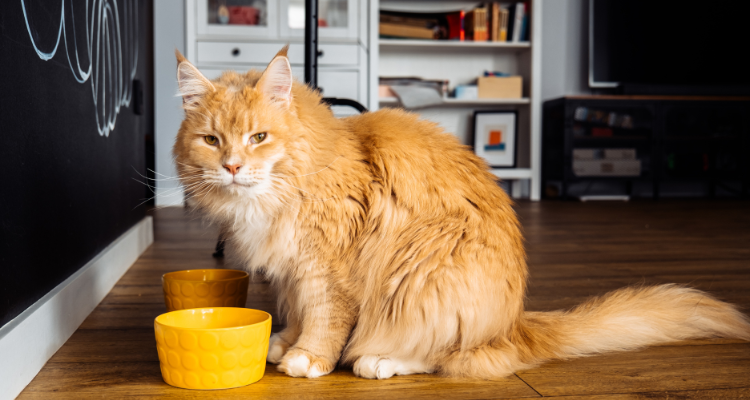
x,y
262,241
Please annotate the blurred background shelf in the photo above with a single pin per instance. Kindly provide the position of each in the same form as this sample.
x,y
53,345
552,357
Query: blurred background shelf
x,y
686,146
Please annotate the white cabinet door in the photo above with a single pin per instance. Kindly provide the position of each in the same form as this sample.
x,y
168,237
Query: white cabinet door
x,y
336,19
344,84
244,18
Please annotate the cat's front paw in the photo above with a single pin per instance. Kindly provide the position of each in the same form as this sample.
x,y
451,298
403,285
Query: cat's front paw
x,y
377,367
277,347
374,367
299,363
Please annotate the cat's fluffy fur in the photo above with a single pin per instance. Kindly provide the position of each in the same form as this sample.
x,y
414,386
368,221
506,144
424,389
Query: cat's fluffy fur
x,y
390,244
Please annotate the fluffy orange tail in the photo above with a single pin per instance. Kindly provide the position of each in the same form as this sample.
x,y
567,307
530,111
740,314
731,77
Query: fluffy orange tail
x,y
625,319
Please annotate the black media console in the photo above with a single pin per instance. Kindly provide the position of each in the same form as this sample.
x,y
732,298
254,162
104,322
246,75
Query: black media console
x,y
648,146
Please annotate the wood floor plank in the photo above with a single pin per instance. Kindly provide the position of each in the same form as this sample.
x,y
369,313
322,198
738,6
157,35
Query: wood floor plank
x,y
655,369
113,346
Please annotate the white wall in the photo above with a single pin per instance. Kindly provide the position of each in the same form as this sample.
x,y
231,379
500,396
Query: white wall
x,y
169,34
564,48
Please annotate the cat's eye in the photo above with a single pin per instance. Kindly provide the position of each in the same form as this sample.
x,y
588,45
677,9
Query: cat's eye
x,y
258,137
212,140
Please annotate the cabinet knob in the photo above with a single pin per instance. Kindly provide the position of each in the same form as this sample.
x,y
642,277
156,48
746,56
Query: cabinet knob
x,y
320,53
235,51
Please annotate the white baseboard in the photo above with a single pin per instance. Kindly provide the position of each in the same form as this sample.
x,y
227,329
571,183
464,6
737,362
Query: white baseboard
x,y
30,339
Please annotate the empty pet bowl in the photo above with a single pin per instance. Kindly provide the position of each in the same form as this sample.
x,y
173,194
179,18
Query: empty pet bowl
x,y
196,288
212,348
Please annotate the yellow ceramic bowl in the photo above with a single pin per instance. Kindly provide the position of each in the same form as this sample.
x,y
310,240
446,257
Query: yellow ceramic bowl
x,y
212,348
196,288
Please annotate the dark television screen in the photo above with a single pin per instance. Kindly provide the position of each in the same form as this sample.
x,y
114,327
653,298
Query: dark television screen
x,y
666,42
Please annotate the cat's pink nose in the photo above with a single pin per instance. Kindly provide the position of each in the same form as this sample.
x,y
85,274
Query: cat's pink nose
x,y
233,168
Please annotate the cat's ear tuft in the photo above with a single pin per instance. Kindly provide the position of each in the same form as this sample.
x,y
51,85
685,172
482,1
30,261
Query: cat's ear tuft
x,y
193,85
276,82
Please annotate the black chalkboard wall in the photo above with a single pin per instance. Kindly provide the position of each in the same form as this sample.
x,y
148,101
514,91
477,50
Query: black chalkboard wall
x,y
72,130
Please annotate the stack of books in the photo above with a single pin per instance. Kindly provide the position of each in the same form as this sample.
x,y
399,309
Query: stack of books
x,y
488,22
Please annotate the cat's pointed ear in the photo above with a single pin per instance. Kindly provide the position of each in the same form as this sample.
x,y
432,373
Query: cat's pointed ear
x,y
276,82
193,85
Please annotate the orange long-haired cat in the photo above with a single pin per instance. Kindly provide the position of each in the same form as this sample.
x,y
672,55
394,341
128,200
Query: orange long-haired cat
x,y
391,246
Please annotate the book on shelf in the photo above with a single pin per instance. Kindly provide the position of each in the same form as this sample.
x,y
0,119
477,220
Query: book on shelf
x,y
515,17
405,31
475,24
494,23
502,35
413,25
404,26
488,22
455,23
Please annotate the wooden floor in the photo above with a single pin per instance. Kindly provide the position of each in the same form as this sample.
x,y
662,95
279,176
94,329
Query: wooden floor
x,y
575,250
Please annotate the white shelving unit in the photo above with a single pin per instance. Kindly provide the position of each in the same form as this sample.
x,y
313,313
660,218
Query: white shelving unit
x,y
461,63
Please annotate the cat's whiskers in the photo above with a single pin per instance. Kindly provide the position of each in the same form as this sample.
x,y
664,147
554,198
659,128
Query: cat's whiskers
x,y
165,178
166,193
196,188
150,187
153,189
203,190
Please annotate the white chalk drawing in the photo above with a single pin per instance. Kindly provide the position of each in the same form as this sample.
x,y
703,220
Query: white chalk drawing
x,y
110,51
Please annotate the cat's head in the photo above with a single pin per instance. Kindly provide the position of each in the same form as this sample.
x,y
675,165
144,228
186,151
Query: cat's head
x,y
242,133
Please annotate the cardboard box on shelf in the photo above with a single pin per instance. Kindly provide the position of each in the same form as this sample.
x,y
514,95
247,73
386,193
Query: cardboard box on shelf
x,y
500,87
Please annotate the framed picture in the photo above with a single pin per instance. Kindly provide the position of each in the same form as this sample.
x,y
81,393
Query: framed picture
x,y
495,135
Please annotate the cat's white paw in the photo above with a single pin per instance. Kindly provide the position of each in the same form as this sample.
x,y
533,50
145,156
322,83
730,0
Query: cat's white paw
x,y
376,367
277,347
299,363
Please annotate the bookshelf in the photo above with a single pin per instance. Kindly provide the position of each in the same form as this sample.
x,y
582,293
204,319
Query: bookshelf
x,y
461,62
